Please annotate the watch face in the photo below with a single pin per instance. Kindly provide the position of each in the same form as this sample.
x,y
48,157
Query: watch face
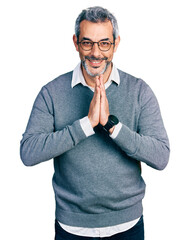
x,y
113,119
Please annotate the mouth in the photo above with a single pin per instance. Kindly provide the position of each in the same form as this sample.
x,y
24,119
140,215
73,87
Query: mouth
x,y
90,63
95,62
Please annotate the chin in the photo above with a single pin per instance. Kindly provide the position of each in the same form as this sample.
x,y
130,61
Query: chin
x,y
96,71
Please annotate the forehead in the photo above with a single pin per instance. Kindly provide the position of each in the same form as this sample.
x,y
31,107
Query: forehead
x,y
96,31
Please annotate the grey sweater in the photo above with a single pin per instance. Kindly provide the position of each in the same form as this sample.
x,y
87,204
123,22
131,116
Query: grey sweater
x,y
97,179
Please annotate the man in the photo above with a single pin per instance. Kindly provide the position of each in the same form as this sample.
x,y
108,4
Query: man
x,y
99,124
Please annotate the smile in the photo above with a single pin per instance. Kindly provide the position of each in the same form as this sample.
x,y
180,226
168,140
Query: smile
x,y
95,62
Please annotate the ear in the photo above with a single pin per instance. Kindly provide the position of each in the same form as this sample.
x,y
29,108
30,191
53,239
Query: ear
x,y
75,42
117,41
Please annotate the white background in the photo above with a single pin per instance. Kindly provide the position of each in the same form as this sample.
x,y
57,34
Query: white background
x,y
36,46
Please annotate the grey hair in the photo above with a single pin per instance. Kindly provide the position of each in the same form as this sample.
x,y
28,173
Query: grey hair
x,y
95,15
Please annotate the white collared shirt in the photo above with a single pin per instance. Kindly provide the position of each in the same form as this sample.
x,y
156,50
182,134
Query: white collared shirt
x,y
78,78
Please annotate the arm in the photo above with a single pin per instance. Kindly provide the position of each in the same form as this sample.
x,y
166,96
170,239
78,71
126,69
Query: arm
x,y
40,142
150,143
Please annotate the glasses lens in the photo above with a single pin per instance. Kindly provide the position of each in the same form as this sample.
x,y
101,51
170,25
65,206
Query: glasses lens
x,y
104,45
86,45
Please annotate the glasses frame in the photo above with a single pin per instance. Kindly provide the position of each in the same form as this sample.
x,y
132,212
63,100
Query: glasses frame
x,y
97,44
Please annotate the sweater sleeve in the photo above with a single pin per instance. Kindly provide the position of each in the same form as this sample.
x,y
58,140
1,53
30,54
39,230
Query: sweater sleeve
x,y
149,143
40,142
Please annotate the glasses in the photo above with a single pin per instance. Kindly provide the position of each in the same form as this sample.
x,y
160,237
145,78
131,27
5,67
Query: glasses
x,y
104,45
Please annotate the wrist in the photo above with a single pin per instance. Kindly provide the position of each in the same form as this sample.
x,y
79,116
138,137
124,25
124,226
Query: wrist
x,y
86,126
111,130
110,125
104,121
93,123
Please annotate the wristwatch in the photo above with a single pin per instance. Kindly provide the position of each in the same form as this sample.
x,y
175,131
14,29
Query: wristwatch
x,y
112,121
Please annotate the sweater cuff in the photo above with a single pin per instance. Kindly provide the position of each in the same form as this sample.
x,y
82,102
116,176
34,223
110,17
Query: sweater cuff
x,y
86,126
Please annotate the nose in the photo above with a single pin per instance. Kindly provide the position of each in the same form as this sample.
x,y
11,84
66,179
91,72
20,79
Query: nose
x,y
95,51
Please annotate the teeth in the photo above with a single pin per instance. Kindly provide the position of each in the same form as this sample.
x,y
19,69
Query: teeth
x,y
95,62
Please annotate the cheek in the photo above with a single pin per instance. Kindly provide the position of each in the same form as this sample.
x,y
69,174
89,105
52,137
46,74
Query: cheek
x,y
110,56
82,54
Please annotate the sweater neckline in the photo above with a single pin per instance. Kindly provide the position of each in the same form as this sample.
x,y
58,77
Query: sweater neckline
x,y
111,89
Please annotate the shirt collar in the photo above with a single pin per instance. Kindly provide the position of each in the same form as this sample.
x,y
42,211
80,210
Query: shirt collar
x,y
79,78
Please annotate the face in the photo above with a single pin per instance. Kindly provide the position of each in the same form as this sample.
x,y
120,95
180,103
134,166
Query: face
x,y
95,61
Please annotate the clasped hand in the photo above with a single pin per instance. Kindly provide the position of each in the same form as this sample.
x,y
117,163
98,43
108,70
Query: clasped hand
x,y
99,107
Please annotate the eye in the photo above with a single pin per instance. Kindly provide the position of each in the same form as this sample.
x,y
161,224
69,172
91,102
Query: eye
x,y
105,43
86,43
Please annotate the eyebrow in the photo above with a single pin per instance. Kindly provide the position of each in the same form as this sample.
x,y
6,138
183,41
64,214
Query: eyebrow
x,y
104,39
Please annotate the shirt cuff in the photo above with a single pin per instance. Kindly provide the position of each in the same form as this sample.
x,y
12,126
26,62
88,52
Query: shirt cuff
x,y
86,126
116,130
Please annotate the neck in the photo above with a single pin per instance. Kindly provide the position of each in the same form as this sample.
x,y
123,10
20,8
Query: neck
x,y
90,81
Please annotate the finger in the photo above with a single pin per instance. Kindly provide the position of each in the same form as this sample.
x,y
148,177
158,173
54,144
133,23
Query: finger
x,y
97,92
97,86
102,87
97,81
101,79
103,92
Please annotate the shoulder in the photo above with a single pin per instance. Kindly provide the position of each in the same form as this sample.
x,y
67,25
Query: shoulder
x,y
134,86
58,86
131,82
62,81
